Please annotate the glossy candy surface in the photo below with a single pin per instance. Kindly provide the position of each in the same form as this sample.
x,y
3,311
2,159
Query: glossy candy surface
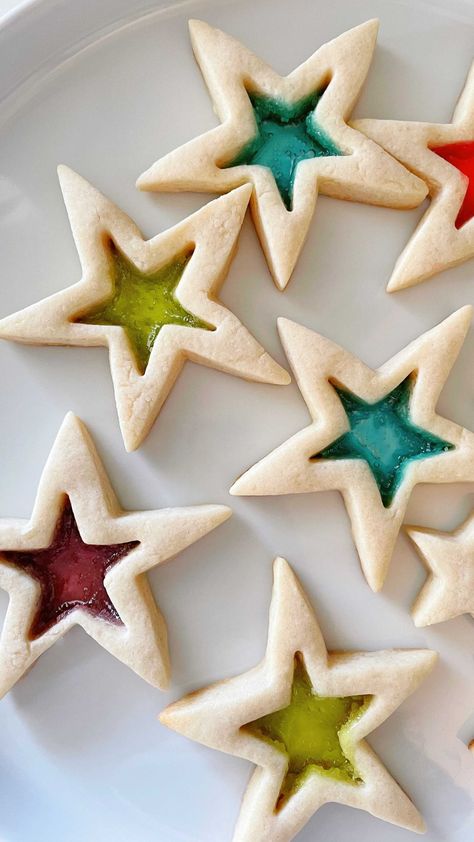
x,y
70,573
308,732
461,156
286,135
143,303
383,434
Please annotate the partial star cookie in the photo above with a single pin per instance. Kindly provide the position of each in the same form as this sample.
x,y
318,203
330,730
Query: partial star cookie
x,y
288,137
81,560
152,302
374,434
449,558
442,154
301,716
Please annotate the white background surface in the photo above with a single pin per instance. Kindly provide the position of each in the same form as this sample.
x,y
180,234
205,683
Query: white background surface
x,y
82,756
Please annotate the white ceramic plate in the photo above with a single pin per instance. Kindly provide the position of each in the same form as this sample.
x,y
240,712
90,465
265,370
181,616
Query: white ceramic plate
x,y
107,88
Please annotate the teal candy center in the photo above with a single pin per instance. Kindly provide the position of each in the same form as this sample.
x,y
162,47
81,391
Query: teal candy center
x,y
286,134
142,303
383,435
313,733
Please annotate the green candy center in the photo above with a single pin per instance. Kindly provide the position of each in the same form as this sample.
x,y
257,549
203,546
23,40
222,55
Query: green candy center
x,y
143,303
309,731
383,435
285,135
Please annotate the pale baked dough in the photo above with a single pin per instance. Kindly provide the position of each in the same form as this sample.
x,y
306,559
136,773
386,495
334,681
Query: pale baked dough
x,y
214,716
436,243
74,469
365,173
288,469
213,231
449,559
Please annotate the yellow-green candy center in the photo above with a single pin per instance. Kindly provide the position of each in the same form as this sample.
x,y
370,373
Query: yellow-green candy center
x,y
143,303
309,732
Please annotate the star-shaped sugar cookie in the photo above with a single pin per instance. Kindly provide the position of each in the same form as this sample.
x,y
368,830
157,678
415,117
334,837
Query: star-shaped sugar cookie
x,y
301,716
81,560
374,434
442,154
449,558
152,302
286,136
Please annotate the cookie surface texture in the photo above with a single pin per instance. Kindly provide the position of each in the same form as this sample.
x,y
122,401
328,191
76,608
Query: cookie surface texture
x,y
449,559
287,137
226,715
153,303
81,560
375,434
442,154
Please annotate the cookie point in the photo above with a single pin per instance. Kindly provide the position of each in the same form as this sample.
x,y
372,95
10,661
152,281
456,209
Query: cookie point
x,y
420,826
372,25
431,656
283,574
369,27
281,279
418,620
198,27
426,658
283,378
461,318
375,22
402,277
170,716
280,565
65,175
375,579
240,196
245,191
284,325
222,513
144,181
467,310
72,422
131,440
238,489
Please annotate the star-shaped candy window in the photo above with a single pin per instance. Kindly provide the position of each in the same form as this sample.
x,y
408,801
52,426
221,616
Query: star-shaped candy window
x,y
143,303
461,156
285,136
70,573
383,435
312,750
310,732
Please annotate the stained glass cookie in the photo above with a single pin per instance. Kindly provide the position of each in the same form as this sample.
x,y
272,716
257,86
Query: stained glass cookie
x,y
302,716
374,434
286,136
82,560
449,560
442,154
152,302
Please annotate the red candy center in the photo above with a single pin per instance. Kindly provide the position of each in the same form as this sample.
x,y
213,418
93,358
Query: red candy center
x,y
461,156
71,574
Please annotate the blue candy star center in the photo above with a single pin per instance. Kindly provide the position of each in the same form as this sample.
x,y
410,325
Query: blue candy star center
x,y
383,434
285,136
